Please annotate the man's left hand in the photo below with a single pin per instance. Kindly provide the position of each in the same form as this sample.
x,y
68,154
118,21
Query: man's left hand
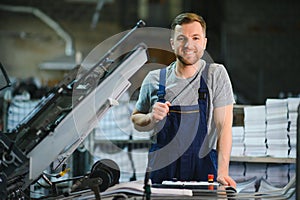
x,y
226,180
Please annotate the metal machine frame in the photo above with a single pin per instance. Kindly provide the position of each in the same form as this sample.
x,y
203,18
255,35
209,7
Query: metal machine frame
x,y
65,117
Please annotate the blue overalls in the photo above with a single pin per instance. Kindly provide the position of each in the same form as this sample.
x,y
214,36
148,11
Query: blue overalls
x,y
175,154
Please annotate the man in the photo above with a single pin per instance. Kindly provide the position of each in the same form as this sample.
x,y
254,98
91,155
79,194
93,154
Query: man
x,y
189,106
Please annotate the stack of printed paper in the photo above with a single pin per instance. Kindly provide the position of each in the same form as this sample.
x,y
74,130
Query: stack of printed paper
x,y
255,130
237,171
278,174
255,170
277,127
237,141
293,104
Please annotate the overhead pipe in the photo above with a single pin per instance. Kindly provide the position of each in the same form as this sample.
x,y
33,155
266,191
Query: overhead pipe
x,y
96,15
69,49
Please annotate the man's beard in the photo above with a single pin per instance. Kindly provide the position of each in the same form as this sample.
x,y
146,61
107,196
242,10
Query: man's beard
x,y
186,62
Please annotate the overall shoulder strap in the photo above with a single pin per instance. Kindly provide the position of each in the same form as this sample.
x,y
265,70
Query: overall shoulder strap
x,y
162,85
203,90
205,72
203,98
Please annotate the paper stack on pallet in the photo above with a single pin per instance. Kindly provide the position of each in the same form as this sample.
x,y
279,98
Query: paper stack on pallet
x,y
278,174
238,148
277,128
293,104
255,130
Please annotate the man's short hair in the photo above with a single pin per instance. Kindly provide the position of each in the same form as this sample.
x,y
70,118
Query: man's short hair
x,y
185,18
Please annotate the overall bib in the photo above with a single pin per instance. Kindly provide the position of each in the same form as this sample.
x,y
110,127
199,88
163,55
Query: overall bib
x,y
175,154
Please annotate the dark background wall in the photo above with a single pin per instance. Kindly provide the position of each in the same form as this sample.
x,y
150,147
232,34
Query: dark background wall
x,y
257,40
260,41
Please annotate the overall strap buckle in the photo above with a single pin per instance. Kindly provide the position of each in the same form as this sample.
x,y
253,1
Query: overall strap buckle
x,y
203,90
202,95
162,85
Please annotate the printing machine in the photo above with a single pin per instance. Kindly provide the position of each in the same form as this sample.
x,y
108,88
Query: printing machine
x,y
65,116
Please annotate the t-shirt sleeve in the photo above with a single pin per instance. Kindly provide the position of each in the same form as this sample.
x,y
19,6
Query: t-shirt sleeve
x,y
223,92
147,95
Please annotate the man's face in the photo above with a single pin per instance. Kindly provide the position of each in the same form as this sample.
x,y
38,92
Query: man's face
x,y
189,42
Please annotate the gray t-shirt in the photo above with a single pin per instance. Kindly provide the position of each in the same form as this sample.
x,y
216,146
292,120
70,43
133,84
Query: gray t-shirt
x,y
218,83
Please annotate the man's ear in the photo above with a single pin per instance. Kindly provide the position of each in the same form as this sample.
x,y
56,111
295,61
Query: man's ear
x,y
205,43
172,43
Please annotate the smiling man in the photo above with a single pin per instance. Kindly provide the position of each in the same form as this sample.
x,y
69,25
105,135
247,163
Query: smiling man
x,y
188,105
